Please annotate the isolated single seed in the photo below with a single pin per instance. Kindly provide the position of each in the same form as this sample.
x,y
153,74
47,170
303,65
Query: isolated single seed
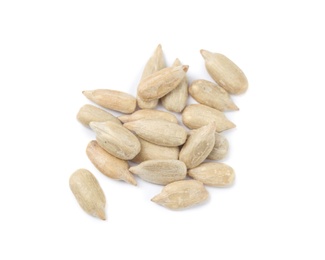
x,y
220,148
213,174
155,63
148,114
198,146
112,99
226,73
88,193
158,131
181,194
176,99
90,113
116,140
210,94
108,164
197,115
150,151
161,82
160,171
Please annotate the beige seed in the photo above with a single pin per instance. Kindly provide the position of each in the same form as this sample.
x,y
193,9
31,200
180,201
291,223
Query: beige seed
x,y
198,146
148,114
116,140
108,164
210,94
150,151
88,193
181,194
213,174
112,99
226,73
161,82
158,131
89,113
197,115
155,63
220,148
176,99
160,171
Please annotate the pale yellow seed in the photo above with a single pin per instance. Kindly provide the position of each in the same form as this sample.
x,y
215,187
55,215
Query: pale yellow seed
x,y
88,193
116,140
108,164
160,171
90,113
213,174
210,94
198,146
181,194
161,82
157,131
112,99
225,72
196,115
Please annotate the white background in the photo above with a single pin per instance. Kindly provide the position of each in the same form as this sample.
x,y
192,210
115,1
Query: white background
x,y
52,50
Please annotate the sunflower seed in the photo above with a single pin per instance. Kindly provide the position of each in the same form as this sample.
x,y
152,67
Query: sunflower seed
x,y
116,140
88,193
197,115
181,194
89,113
160,171
108,164
112,99
226,73
210,94
213,174
198,146
161,82
158,131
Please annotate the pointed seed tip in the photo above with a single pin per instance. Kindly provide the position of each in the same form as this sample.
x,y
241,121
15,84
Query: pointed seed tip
x,y
185,68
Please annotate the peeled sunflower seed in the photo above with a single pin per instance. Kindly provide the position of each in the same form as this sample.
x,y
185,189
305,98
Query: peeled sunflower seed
x,y
88,193
116,140
148,114
226,73
161,82
158,131
197,115
181,194
220,148
112,99
108,164
210,94
89,113
176,99
213,174
150,151
160,171
198,146
155,63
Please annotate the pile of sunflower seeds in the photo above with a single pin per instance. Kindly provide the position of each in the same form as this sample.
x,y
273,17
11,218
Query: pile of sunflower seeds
x,y
166,153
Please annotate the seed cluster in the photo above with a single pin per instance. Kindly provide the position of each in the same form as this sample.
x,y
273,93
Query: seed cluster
x,y
166,152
